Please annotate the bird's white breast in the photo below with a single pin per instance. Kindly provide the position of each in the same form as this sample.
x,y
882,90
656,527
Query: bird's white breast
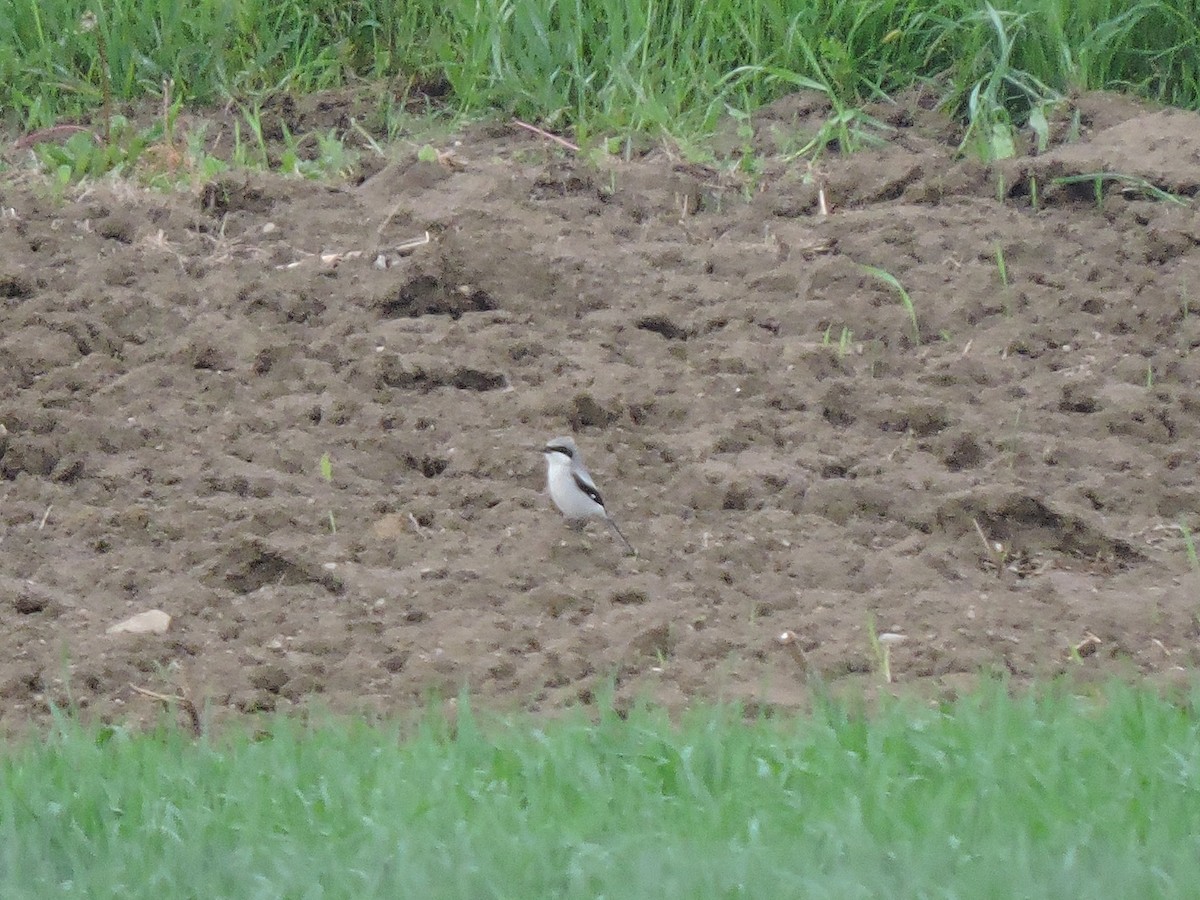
x,y
573,502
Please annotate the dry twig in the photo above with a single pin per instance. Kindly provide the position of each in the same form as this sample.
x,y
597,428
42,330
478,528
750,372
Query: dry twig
x,y
995,551
791,643
547,135
184,703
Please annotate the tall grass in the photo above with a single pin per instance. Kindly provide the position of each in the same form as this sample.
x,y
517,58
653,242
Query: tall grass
x,y
1043,796
648,65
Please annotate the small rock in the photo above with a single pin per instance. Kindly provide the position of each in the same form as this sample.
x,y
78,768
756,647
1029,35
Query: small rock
x,y
152,621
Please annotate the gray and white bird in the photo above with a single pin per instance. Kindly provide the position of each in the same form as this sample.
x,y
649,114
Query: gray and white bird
x,y
572,488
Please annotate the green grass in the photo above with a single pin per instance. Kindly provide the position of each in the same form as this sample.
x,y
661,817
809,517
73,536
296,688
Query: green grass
x,y
905,300
1046,795
1131,183
603,65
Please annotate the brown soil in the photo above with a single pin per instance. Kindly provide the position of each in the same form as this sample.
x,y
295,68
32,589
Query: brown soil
x,y
173,368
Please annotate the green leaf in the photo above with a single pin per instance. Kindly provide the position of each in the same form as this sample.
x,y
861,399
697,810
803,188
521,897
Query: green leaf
x,y
1002,145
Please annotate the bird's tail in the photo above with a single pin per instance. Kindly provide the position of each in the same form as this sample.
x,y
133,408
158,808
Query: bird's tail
x,y
624,539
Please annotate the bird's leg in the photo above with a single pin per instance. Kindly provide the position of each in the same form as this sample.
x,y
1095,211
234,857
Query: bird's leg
x,y
624,539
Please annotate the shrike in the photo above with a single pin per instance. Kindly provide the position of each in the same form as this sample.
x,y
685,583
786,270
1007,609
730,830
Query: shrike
x,y
572,489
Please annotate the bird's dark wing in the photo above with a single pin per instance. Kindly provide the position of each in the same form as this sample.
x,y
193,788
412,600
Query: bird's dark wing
x,y
585,485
